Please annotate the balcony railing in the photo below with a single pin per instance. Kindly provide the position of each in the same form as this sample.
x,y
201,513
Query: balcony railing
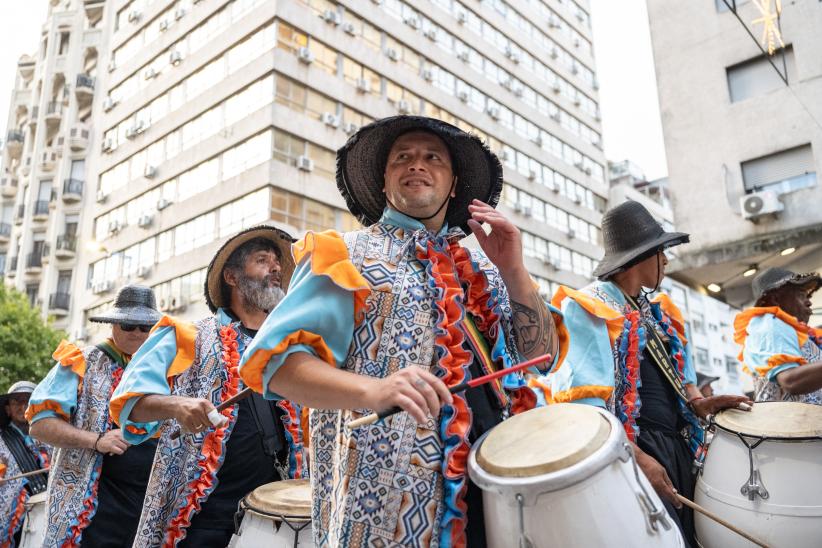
x,y
72,189
54,108
12,264
5,230
66,242
41,207
85,81
59,301
34,259
14,136
21,212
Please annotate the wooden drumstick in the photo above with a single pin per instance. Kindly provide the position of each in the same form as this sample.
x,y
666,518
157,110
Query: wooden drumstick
x,y
374,417
718,519
241,395
25,475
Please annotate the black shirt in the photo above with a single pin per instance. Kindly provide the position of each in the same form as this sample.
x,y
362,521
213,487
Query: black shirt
x,y
659,410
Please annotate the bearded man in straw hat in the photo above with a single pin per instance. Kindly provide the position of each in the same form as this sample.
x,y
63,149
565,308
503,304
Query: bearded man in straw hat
x,y
19,454
400,312
628,354
182,372
97,480
779,348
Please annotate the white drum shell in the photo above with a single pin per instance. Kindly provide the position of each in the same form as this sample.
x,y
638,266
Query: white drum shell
x,y
34,524
592,503
791,471
257,530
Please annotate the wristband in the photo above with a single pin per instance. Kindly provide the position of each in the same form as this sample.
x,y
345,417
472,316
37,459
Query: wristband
x,y
99,436
216,418
692,400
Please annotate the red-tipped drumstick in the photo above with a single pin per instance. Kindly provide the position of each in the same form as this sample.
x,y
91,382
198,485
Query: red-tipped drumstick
x,y
374,417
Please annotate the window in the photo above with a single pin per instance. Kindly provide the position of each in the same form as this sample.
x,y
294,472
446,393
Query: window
x,y
701,358
31,293
788,170
64,43
756,76
698,320
731,367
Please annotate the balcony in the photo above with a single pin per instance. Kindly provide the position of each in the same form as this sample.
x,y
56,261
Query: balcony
x,y
41,210
48,160
26,66
11,268
45,254
5,233
66,247
54,112
72,191
59,303
21,212
33,116
84,89
78,138
14,143
8,186
34,262
25,167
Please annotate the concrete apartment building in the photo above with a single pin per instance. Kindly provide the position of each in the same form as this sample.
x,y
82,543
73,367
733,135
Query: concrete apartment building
x,y
44,183
744,149
220,114
708,321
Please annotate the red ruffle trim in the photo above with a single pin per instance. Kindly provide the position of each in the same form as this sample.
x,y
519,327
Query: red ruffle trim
x,y
629,399
16,517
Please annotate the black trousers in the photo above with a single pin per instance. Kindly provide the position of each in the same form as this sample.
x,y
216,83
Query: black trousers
x,y
672,452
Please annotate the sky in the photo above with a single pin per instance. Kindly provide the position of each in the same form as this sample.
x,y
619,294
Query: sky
x,y
622,48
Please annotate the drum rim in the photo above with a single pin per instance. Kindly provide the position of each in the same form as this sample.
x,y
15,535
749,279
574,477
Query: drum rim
x,y
763,437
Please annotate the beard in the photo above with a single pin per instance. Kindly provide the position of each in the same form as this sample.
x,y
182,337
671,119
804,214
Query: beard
x,y
259,294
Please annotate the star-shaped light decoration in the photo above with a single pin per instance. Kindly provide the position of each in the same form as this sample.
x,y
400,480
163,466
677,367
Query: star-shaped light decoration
x,y
770,19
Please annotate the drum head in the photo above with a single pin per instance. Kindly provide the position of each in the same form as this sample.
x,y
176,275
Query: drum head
x,y
289,498
774,419
38,498
543,440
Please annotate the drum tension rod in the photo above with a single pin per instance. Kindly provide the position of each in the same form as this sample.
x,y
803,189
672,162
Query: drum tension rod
x,y
653,513
524,541
754,486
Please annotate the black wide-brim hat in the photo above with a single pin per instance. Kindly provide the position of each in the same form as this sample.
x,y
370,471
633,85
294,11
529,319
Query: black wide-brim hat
x,y
774,278
214,283
361,168
629,232
133,305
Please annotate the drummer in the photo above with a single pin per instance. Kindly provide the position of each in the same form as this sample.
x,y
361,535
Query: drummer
x,y
393,314
630,356
182,372
779,348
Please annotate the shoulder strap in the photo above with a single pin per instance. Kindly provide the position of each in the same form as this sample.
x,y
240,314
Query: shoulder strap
x,y
266,417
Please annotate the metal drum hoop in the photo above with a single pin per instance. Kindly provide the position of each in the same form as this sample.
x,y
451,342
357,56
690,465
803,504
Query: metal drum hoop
x,y
295,523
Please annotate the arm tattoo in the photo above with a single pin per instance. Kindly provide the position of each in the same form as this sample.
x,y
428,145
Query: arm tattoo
x,y
534,328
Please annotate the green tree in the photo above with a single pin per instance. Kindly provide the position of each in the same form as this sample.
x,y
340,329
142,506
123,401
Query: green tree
x,y
26,340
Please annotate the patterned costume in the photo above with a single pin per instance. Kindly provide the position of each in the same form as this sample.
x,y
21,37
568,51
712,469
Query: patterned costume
x,y
773,341
76,390
13,494
373,302
194,360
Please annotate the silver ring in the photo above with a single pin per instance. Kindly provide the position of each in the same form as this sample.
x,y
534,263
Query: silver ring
x,y
419,383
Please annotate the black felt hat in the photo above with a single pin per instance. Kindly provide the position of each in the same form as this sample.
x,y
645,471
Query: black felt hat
x,y
774,278
630,232
134,304
361,168
214,284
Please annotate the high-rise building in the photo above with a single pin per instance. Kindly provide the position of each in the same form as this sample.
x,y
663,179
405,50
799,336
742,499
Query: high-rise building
x,y
44,169
744,147
219,114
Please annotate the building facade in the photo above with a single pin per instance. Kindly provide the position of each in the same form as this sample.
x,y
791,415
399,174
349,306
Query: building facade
x,y
744,148
45,166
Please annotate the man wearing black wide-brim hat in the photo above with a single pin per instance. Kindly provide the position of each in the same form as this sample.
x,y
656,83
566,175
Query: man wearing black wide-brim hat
x,y
393,315
630,355
779,348
98,480
207,460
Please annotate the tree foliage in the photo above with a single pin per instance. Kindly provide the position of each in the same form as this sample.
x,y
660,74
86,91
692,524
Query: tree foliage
x,y
26,340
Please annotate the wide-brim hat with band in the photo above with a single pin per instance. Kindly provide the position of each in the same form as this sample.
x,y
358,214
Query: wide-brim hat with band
x,y
361,168
773,278
20,387
214,284
134,305
629,232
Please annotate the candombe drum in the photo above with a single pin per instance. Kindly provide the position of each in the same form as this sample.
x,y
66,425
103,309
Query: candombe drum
x,y
276,515
565,475
763,474
34,524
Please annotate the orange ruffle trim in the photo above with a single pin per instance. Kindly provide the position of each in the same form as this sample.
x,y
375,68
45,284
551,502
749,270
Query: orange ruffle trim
x,y
329,257
16,517
743,319
252,371
48,405
186,334
115,406
69,355
674,314
614,320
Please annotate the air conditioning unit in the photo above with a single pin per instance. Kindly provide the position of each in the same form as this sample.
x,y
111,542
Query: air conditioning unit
x,y
431,34
597,142
114,227
462,96
556,117
595,84
145,221
598,116
404,107
412,22
150,73
175,58
571,233
332,16
363,85
574,68
527,211
177,303
553,186
518,90
163,25
549,262
518,207
392,54
463,56
330,119
576,42
165,304
493,112
179,13
554,53
555,87
377,2
163,203
304,163
305,55
760,203
578,199
108,145
503,155
150,172
428,75
349,28
108,104
553,22
351,128
532,175
134,16
577,101
142,271
102,287
101,196
587,170
462,17
511,54
506,83
112,65
130,133
579,165
537,140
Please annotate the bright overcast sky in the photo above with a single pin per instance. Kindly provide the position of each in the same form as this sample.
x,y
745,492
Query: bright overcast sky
x,y
630,112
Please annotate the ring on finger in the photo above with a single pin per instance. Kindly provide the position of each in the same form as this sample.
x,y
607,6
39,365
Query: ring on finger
x,y
419,382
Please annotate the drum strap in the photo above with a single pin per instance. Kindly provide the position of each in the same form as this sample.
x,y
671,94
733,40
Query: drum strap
x,y
25,460
270,429
659,353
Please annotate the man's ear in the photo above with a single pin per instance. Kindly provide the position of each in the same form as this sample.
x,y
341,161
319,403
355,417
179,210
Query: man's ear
x,y
229,277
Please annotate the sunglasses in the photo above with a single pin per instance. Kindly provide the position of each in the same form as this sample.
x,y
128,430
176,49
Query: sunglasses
x,y
130,327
